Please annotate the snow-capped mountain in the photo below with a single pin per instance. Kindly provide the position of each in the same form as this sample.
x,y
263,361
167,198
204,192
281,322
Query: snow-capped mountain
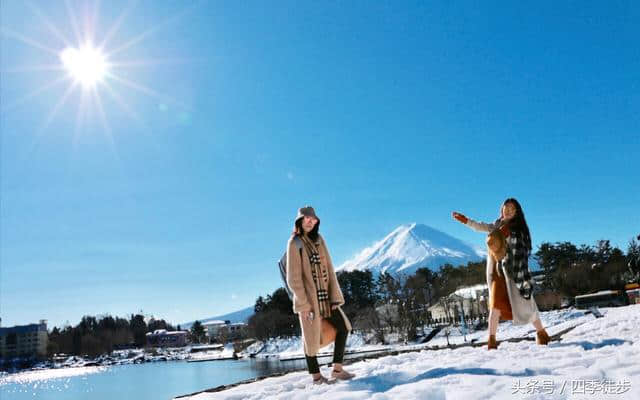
x,y
410,247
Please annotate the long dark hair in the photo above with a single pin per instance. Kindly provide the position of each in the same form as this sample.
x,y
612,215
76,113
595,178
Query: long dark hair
x,y
518,222
313,235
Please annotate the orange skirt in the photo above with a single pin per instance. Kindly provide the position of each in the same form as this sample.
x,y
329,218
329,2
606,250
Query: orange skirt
x,y
500,297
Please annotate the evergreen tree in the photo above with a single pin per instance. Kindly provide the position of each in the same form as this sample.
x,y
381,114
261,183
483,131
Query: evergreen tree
x,y
139,329
197,332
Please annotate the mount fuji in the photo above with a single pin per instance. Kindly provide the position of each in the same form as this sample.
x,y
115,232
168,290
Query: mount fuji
x,y
413,246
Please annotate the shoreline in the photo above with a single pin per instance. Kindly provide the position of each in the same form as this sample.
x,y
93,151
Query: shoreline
x,y
384,353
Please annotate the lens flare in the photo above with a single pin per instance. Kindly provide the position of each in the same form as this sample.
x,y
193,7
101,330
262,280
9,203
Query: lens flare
x,y
87,65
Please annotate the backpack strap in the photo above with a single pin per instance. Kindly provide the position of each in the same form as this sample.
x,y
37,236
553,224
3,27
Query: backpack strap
x,y
298,243
282,264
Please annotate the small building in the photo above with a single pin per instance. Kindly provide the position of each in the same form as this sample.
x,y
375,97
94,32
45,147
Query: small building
x,y
633,292
218,329
24,341
469,300
234,331
212,328
163,338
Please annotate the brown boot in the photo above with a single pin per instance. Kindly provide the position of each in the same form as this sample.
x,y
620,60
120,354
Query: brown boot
x,y
542,338
342,375
322,381
492,344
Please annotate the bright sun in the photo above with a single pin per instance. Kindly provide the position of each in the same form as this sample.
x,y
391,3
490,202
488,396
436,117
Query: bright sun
x,y
87,65
93,67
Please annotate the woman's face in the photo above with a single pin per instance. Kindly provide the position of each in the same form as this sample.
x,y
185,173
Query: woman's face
x,y
308,223
508,211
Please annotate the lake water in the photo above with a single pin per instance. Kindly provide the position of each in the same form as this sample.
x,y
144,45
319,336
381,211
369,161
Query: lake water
x,y
159,380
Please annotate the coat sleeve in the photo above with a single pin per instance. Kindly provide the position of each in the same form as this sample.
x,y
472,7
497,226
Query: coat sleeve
x,y
294,278
335,293
480,226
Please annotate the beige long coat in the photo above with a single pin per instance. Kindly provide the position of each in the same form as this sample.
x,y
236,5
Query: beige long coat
x,y
524,310
305,297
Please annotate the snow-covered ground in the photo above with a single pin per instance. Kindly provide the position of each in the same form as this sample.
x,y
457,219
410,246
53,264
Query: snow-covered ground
x,y
554,321
599,359
291,347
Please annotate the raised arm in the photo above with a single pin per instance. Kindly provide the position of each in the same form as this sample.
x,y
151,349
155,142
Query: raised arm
x,y
475,225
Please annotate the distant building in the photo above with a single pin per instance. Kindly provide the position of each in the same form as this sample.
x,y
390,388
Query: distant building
x,y
235,331
24,341
163,338
217,328
212,328
470,300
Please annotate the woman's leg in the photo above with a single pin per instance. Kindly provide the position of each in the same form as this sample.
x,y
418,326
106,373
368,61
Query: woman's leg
x,y
312,364
494,319
542,337
538,325
341,338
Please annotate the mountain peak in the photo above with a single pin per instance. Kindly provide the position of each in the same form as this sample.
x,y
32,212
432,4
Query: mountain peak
x,y
409,247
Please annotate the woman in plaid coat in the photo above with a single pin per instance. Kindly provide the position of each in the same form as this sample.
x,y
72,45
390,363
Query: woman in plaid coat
x,y
509,280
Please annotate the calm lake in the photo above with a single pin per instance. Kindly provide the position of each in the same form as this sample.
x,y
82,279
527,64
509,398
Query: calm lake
x,y
158,380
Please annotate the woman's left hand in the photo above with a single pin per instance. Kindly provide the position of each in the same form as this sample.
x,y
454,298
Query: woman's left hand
x,y
460,217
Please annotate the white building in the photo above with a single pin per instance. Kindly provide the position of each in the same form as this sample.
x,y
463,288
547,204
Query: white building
x,y
24,340
215,329
470,300
212,328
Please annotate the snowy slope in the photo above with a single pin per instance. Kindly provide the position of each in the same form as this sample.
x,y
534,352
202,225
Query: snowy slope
x,y
412,246
597,360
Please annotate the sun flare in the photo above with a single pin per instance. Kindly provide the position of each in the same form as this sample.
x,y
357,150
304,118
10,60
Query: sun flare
x,y
87,65
91,63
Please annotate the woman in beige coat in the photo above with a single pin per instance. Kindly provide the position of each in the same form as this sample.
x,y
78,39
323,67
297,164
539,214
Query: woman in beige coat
x,y
316,293
508,279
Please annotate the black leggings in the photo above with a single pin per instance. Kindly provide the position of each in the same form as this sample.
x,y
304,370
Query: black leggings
x,y
341,340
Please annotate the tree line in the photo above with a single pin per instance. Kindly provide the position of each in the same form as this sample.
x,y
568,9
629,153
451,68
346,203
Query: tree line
x,y
400,303
407,298
93,336
573,270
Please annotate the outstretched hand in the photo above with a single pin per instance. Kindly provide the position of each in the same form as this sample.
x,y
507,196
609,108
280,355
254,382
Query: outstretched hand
x,y
460,217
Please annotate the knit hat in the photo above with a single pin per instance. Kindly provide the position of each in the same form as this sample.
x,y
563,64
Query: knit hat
x,y
307,211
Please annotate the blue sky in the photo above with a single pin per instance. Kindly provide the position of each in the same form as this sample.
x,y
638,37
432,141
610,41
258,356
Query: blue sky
x,y
229,116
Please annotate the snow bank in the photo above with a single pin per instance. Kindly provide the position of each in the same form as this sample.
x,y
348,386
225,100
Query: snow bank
x,y
599,359
291,347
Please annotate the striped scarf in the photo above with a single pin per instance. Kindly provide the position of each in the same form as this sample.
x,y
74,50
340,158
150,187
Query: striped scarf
x,y
516,262
320,276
